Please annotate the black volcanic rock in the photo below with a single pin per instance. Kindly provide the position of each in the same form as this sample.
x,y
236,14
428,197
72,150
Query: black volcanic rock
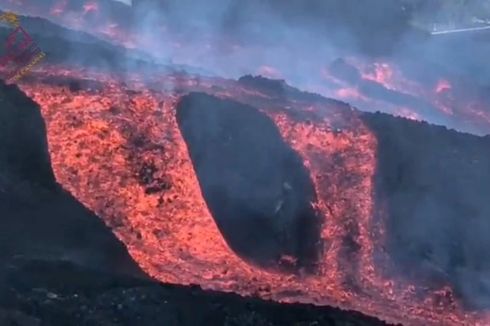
x,y
23,148
435,183
277,88
255,185
38,218
34,295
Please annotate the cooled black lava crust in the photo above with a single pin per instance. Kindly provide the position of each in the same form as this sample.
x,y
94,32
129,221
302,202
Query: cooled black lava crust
x,y
435,184
255,185
39,219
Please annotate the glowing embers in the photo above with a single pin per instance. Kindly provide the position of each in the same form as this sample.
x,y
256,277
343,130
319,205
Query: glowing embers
x,y
254,184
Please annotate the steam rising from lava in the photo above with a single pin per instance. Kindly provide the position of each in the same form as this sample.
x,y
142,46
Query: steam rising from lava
x,y
298,41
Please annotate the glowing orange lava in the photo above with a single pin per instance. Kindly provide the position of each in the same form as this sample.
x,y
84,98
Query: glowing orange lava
x,y
100,138
269,72
381,73
90,6
58,9
442,86
453,113
349,93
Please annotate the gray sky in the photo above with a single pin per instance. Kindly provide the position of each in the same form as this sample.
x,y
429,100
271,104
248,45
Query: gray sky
x,y
128,2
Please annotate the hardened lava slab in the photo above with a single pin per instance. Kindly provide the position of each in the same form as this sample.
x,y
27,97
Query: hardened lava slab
x,y
253,182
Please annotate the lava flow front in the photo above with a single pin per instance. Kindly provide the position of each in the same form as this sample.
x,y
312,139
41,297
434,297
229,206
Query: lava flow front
x,y
118,148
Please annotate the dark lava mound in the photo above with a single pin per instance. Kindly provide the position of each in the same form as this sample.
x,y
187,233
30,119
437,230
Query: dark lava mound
x,y
39,219
435,185
255,185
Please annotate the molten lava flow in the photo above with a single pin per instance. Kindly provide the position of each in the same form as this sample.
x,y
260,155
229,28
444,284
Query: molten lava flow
x,y
90,7
58,8
383,86
116,146
269,72
442,86
102,18
349,93
381,73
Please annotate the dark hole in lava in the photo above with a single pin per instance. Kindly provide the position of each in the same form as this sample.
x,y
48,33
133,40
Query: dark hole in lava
x,y
254,184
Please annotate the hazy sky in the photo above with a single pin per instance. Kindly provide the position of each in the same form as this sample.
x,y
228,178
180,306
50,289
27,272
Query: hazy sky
x,y
128,2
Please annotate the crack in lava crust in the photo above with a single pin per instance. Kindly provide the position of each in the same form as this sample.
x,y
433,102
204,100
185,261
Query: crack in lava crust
x,y
118,149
